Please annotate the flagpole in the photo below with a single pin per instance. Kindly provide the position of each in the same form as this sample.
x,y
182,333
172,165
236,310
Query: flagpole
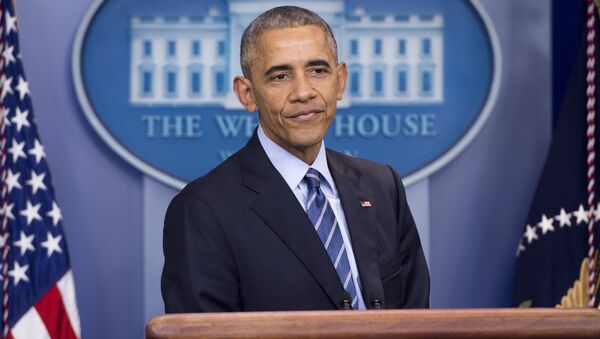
x,y
5,234
591,142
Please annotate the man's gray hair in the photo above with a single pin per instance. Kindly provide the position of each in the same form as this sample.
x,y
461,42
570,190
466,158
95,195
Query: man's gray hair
x,y
279,18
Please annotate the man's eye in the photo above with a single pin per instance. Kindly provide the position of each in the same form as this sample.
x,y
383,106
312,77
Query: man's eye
x,y
281,76
319,71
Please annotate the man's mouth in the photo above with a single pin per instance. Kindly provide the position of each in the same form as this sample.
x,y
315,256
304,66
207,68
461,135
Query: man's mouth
x,y
306,114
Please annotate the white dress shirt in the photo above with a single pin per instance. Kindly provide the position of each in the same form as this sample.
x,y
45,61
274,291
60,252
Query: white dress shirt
x,y
293,171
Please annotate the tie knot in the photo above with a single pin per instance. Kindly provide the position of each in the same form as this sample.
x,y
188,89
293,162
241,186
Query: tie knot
x,y
313,179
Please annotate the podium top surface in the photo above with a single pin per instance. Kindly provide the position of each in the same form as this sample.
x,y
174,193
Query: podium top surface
x,y
455,323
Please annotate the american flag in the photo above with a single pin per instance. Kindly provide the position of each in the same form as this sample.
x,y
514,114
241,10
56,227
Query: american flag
x,y
558,253
38,293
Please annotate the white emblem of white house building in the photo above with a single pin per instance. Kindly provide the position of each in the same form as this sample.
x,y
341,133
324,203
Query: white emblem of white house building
x,y
189,59
423,78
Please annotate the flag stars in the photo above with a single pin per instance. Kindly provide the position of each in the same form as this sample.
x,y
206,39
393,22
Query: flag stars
x,y
8,55
37,151
11,23
52,244
20,119
597,212
581,214
546,224
25,243
3,240
530,233
36,182
22,88
520,248
7,209
6,87
564,218
19,273
32,212
12,180
5,111
16,150
55,213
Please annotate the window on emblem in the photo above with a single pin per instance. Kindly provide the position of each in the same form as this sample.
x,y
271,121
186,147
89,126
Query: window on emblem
x,y
196,48
355,83
171,48
221,48
220,82
355,72
171,82
426,82
378,47
426,47
354,47
196,83
378,82
402,81
147,82
147,48
402,47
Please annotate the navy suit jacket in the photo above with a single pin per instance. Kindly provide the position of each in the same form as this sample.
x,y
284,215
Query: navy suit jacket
x,y
237,239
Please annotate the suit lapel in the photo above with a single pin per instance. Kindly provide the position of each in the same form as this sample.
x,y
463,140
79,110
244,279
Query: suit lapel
x,y
278,207
361,224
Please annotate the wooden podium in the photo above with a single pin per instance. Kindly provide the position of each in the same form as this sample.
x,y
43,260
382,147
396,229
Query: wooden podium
x,y
458,323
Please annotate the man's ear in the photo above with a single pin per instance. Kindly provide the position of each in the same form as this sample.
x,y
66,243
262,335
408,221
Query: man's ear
x,y
342,78
243,89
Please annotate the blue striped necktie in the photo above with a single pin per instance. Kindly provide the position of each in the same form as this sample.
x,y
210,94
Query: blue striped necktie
x,y
321,215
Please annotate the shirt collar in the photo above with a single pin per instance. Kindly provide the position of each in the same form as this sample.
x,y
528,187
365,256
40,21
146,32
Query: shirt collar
x,y
290,167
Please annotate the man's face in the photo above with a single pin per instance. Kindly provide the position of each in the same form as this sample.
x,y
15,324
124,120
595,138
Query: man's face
x,y
295,84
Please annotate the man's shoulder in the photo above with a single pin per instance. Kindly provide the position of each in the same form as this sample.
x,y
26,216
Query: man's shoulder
x,y
364,166
372,176
221,178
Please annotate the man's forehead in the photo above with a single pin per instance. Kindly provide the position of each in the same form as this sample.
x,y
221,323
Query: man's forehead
x,y
278,42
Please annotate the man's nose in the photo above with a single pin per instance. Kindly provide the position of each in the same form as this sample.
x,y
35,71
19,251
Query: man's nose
x,y
302,90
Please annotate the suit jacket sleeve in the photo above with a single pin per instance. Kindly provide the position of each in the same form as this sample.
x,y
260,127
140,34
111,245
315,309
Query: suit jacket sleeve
x,y
413,274
199,274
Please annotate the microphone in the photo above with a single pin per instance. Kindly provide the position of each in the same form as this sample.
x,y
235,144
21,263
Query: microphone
x,y
376,302
346,303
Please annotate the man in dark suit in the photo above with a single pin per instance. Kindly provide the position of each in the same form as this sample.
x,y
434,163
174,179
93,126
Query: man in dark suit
x,y
285,224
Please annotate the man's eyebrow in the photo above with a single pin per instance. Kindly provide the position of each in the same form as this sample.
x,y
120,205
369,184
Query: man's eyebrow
x,y
318,62
287,67
277,68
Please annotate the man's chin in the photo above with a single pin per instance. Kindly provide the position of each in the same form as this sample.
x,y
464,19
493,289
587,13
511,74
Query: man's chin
x,y
305,143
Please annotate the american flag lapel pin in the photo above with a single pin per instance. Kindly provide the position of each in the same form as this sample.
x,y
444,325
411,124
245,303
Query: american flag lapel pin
x,y
365,203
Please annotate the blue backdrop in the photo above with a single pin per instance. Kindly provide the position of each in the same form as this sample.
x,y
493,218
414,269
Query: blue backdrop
x,y
477,203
